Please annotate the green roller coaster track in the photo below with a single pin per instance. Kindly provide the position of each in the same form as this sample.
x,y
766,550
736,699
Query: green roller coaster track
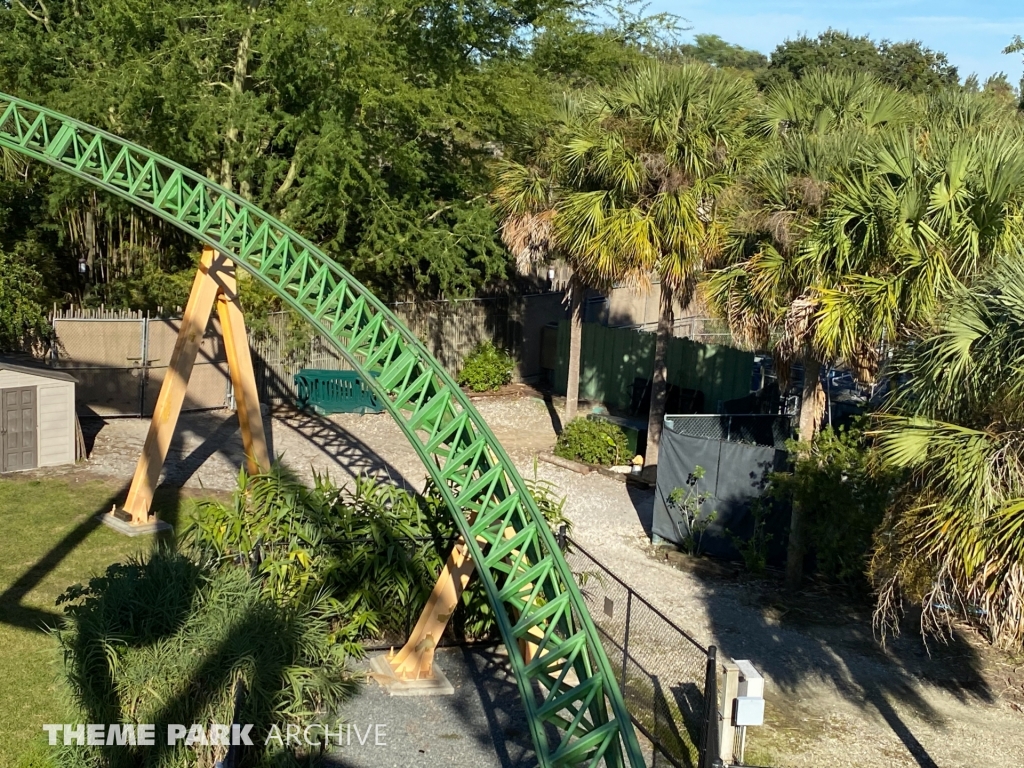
x,y
576,712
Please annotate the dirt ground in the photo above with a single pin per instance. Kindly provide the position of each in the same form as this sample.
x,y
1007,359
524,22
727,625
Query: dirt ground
x,y
835,697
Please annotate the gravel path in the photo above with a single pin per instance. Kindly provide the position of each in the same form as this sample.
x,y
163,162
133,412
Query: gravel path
x,y
481,725
835,697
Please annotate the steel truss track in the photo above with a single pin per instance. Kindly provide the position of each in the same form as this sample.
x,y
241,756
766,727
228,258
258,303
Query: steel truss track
x,y
575,709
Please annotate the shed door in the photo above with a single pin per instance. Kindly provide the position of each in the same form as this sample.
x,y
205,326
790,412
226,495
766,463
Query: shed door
x,y
18,448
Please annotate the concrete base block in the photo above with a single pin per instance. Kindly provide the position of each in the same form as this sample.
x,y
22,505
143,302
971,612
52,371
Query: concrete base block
x,y
438,685
134,530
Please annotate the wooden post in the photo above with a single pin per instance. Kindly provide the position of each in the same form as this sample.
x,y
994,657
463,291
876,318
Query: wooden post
x,y
416,656
415,659
214,279
243,378
730,690
172,391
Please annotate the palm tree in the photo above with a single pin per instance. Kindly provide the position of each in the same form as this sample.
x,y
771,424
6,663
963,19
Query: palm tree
x,y
526,196
821,130
631,181
954,538
910,213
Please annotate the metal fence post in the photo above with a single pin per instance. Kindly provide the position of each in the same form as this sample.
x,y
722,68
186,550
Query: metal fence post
x,y
625,639
709,757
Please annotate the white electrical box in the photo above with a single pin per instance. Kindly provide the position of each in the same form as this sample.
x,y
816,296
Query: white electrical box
x,y
749,711
751,682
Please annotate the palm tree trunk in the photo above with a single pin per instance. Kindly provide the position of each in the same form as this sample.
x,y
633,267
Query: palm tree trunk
x,y
659,381
812,407
572,386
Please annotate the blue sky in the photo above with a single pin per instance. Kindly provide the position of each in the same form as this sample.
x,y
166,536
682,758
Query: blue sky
x,y
973,34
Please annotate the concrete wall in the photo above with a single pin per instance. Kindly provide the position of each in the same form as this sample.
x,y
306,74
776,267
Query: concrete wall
x,y
55,415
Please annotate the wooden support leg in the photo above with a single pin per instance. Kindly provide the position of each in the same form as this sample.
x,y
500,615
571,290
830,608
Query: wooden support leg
x,y
243,378
172,392
416,658
215,282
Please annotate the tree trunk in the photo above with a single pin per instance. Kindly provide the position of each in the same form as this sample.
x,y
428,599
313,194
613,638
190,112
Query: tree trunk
x,y
239,75
572,386
659,382
812,406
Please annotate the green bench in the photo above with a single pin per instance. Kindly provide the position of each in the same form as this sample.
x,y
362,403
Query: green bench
x,y
329,392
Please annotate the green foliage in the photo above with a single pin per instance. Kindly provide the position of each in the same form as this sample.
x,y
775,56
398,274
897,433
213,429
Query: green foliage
x,y
592,441
374,549
308,110
354,544
754,550
844,496
22,313
712,49
952,539
163,640
688,502
37,757
907,65
486,368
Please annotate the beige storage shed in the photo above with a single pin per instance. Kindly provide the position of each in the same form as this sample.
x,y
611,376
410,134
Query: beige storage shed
x,y
37,416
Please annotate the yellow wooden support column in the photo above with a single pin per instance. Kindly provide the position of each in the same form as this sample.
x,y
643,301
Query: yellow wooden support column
x,y
172,391
214,279
243,378
416,657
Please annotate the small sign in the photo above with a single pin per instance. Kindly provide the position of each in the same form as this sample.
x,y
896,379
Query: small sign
x,y
609,607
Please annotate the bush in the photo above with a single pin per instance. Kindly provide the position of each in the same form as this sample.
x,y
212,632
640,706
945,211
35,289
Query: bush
x,y
844,497
376,549
165,640
486,368
688,502
593,442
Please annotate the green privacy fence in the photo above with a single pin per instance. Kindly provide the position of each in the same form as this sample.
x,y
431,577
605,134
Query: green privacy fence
x,y
611,359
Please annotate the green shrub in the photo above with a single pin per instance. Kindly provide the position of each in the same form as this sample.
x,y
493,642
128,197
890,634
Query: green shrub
x,y
353,543
164,639
844,496
593,442
486,368
357,544
754,550
688,502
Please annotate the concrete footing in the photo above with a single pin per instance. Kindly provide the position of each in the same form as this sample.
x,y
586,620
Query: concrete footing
x,y
128,529
436,685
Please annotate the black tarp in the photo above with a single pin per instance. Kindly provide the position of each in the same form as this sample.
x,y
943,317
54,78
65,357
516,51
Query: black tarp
x,y
735,474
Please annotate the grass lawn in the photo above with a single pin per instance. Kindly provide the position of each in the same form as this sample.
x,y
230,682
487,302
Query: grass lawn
x,y
50,540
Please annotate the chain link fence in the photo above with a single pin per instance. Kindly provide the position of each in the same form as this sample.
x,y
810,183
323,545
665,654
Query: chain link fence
x,y
662,671
756,429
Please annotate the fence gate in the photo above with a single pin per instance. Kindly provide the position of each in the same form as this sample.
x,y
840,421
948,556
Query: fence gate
x,y
120,359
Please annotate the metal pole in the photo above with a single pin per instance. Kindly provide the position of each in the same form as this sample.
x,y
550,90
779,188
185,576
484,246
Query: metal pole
x,y
625,639
709,757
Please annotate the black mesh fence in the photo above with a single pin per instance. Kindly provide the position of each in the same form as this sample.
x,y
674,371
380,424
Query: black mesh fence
x,y
753,428
661,670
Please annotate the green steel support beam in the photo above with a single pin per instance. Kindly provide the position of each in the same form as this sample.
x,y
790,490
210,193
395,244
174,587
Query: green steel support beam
x,y
576,713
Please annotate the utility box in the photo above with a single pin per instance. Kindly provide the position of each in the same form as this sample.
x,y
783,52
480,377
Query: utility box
x,y
742,704
749,710
751,682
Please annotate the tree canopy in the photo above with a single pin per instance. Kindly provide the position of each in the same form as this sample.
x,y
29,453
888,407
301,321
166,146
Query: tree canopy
x,y
367,126
907,65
